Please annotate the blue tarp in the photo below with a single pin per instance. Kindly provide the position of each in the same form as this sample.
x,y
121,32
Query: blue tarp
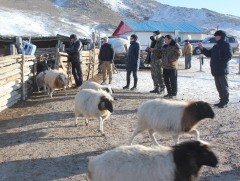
x,y
182,27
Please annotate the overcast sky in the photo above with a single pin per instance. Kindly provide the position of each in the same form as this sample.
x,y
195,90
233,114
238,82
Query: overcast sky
x,y
222,6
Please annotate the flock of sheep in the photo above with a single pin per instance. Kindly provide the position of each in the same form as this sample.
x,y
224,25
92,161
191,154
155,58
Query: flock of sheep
x,y
181,162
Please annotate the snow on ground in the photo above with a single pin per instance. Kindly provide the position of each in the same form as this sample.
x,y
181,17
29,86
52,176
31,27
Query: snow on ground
x,y
191,82
19,23
116,5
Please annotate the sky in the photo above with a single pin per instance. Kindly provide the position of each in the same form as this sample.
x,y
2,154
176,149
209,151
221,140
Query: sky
x,y
222,6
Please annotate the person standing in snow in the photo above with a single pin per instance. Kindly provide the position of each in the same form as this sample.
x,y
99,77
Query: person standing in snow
x,y
171,52
105,57
187,52
74,56
133,61
220,54
156,64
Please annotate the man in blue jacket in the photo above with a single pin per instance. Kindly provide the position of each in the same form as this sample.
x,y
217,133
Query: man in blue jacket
x,y
74,56
220,54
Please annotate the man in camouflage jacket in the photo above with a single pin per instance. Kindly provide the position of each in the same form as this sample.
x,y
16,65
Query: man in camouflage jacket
x,y
171,52
156,64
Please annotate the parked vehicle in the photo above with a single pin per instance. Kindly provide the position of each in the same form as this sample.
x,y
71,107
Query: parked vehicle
x,y
209,42
194,43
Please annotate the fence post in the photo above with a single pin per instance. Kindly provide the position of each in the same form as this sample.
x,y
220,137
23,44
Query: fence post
x,y
201,61
57,59
22,75
239,65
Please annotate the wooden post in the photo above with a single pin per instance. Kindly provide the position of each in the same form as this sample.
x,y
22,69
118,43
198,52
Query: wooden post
x,y
62,47
239,65
12,49
93,62
19,42
56,65
22,77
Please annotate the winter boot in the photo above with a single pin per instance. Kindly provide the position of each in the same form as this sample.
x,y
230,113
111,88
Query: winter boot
x,y
128,83
155,90
135,85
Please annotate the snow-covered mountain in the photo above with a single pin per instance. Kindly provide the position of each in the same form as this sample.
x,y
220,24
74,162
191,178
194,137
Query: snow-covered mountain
x,y
51,17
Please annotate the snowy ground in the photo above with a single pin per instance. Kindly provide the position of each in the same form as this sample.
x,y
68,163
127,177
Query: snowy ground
x,y
38,140
192,83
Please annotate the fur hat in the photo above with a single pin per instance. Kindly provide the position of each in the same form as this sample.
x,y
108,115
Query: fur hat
x,y
135,37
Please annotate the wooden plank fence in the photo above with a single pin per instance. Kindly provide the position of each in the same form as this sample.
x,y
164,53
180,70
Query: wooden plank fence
x,y
16,79
90,64
17,73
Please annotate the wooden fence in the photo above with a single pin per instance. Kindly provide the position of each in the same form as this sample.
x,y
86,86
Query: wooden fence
x,y
17,73
89,64
16,79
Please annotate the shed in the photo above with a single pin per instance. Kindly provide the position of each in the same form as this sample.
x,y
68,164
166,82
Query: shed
x,y
144,29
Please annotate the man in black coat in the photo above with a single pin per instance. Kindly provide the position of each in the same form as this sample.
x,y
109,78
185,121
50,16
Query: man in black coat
x,y
133,61
74,56
105,57
220,54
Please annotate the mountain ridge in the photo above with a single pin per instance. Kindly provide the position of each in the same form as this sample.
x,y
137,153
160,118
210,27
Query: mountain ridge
x,y
83,17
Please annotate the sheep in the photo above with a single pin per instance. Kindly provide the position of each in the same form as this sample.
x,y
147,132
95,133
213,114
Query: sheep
x,y
181,162
40,81
171,117
55,79
93,104
95,86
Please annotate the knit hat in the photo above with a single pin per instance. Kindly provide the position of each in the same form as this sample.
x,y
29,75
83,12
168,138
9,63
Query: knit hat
x,y
135,37
73,36
156,32
220,33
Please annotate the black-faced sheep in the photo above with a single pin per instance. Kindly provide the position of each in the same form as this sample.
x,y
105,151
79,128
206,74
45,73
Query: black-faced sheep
x,y
55,79
139,163
95,86
171,117
93,104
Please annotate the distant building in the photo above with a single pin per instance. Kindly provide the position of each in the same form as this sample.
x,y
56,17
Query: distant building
x,y
143,29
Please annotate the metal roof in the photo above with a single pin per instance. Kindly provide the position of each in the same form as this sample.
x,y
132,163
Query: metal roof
x,y
183,27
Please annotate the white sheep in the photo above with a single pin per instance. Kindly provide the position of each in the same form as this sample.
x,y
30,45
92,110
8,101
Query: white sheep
x,y
93,104
55,79
171,117
139,163
95,86
40,81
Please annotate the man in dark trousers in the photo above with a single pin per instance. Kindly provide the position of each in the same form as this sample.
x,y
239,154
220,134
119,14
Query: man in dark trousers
x,y
74,56
133,61
171,52
220,54
105,57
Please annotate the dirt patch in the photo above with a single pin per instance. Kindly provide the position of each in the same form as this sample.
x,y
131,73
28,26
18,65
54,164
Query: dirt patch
x,y
38,139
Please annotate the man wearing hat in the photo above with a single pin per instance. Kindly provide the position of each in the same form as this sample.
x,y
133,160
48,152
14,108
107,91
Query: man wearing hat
x,y
171,52
74,56
133,61
220,54
105,57
156,64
